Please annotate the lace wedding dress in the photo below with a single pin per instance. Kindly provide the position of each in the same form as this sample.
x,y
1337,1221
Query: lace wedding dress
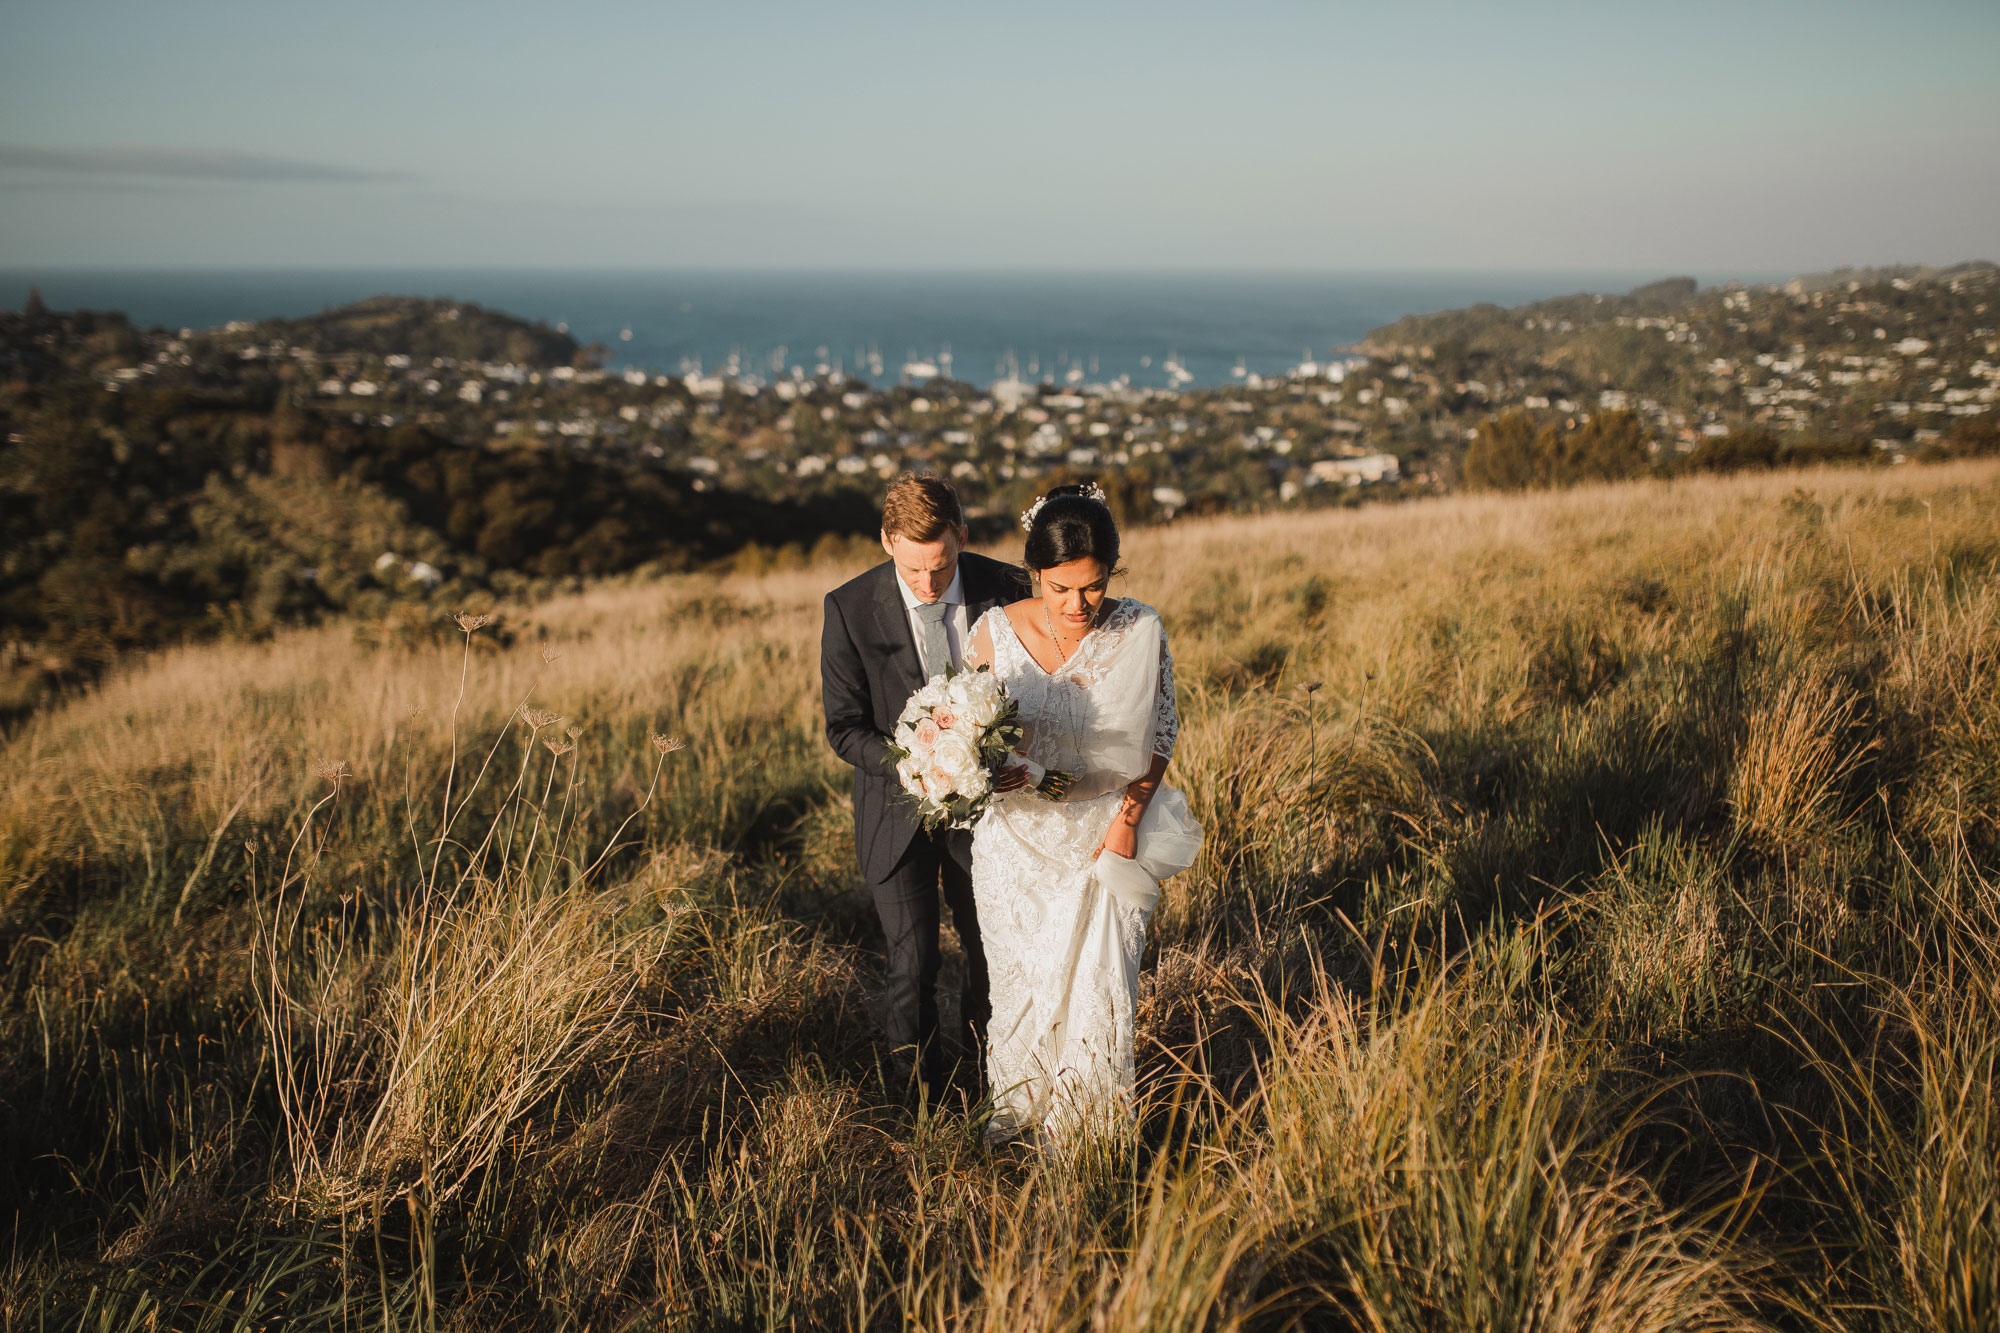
x,y
1063,927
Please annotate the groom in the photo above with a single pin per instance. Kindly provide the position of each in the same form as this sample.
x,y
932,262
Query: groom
x,y
886,632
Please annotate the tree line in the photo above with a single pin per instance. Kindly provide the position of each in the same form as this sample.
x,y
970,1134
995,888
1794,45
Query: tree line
x,y
1520,450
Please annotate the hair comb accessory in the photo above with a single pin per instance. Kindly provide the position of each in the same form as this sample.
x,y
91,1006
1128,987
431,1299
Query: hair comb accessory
x,y
1089,491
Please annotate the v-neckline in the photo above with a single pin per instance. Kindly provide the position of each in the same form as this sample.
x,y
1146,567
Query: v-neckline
x,y
1063,664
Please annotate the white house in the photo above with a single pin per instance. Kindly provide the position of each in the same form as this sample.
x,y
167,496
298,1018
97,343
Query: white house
x,y
1355,471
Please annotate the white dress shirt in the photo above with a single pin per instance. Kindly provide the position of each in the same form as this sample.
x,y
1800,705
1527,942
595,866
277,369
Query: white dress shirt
x,y
955,628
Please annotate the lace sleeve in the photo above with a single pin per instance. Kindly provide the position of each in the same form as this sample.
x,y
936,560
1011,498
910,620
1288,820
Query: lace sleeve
x,y
979,643
1166,718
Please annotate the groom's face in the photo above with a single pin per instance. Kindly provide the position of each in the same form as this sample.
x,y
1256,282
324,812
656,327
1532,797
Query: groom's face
x,y
926,567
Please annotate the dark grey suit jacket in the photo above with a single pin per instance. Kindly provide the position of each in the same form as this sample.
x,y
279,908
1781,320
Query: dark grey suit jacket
x,y
868,669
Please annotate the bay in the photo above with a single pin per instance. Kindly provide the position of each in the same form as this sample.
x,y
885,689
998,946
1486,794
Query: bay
x,y
1091,327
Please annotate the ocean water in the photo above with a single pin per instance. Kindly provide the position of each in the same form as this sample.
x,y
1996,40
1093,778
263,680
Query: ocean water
x,y
1096,327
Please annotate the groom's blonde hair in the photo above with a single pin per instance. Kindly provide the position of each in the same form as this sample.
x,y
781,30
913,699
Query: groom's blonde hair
x,y
921,508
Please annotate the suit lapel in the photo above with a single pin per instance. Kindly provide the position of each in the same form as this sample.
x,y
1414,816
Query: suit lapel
x,y
894,621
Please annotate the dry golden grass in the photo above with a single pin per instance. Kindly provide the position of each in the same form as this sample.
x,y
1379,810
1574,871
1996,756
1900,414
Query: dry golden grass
x,y
347,984
1796,754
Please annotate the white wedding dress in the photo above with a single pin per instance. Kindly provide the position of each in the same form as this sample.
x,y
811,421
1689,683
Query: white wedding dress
x,y
1062,926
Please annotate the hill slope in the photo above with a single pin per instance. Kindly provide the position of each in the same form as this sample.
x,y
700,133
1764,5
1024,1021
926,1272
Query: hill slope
x,y
1617,915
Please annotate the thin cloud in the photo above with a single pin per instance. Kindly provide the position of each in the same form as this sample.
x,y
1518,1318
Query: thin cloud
x,y
150,160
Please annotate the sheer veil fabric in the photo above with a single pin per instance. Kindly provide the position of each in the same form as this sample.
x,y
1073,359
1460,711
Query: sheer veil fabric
x,y
1063,925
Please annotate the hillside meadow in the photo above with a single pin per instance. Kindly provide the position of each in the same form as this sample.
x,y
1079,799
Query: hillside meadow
x,y
1598,929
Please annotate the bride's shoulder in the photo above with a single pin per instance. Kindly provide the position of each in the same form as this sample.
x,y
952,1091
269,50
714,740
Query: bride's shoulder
x,y
1134,609
1001,612
1139,617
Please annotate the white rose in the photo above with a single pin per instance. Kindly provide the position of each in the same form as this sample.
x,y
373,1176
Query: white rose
x,y
937,784
910,773
955,755
929,697
982,711
973,785
959,691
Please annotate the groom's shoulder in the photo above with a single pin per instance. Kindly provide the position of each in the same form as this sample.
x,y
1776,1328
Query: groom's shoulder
x,y
863,586
995,573
985,564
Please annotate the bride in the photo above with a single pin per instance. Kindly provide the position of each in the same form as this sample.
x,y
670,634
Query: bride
x,y
1064,888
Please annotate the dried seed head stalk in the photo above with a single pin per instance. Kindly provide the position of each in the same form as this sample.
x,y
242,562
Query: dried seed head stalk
x,y
575,730
537,718
335,771
668,744
469,622
558,748
1313,686
550,653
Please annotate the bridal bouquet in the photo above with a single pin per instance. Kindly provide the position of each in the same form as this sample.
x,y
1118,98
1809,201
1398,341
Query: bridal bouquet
x,y
954,734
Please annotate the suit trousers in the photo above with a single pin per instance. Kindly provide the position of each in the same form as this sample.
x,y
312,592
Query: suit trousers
x,y
936,866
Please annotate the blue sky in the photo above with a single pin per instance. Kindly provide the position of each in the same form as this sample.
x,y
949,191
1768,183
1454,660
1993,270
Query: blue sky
x,y
1697,136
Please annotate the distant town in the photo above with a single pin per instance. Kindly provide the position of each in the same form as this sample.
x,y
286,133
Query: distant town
x,y
401,451
1891,357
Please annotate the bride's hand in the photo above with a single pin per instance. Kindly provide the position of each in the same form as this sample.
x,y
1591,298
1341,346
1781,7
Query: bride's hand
x,y
1011,778
1121,840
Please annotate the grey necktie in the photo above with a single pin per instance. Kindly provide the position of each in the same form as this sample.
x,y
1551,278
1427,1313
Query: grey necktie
x,y
937,649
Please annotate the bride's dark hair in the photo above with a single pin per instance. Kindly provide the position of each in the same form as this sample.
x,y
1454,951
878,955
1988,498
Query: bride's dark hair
x,y
1071,525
